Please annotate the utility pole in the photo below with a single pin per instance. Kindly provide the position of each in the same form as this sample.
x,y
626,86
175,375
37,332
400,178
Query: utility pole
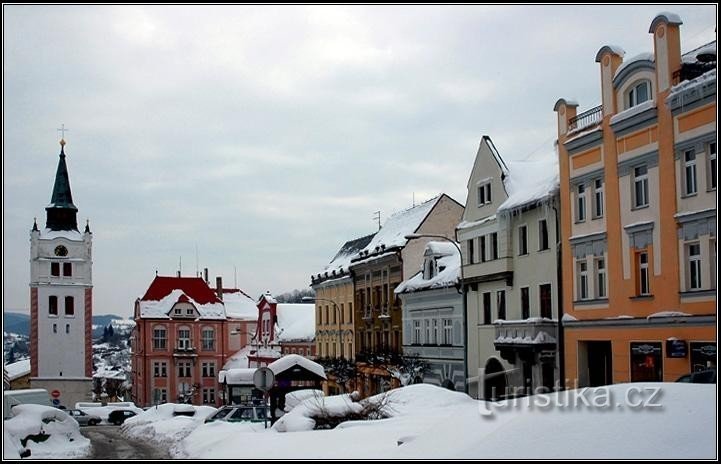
x,y
377,216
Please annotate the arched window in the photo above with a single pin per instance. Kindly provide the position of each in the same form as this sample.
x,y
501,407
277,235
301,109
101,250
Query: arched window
x,y
69,306
208,339
639,93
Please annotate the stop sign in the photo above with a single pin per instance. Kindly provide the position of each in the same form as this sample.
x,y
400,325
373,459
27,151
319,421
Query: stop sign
x,y
55,393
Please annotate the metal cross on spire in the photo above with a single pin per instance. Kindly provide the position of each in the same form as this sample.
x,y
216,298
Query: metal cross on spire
x,y
62,131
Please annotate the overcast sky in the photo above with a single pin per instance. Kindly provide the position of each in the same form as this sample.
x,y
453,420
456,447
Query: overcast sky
x,y
267,136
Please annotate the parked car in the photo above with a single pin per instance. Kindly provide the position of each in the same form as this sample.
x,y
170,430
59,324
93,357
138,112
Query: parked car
x,y
119,416
707,376
241,413
83,418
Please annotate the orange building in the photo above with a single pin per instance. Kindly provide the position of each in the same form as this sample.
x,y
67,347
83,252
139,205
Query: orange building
x,y
638,223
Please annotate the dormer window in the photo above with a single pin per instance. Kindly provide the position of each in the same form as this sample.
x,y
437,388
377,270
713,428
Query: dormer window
x,y
429,268
638,94
484,194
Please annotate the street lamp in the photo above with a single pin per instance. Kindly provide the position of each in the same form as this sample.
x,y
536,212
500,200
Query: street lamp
x,y
337,312
463,293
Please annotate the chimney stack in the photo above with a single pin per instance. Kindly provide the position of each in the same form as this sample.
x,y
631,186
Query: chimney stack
x,y
219,287
178,273
205,275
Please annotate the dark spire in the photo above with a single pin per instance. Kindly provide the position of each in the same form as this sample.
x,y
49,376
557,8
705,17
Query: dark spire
x,y
61,212
87,226
35,225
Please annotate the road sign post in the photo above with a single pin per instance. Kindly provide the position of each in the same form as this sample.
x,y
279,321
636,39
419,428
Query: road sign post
x,y
263,379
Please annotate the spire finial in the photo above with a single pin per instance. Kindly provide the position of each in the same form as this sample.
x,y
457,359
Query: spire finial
x,y
35,224
87,226
62,131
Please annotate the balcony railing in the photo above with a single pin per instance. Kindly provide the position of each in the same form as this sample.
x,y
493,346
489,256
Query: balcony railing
x,y
587,118
534,331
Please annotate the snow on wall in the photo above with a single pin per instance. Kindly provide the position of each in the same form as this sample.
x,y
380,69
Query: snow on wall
x,y
296,320
161,308
290,360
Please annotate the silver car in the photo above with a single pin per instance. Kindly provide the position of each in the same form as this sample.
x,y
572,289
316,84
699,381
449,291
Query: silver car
x,y
83,417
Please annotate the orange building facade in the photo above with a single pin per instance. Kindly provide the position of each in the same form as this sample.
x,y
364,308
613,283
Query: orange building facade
x,y
638,223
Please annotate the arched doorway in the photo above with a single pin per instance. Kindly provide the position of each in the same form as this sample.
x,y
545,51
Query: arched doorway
x,y
494,383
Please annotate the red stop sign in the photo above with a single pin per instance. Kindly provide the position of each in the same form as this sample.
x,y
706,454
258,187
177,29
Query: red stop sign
x,y
55,393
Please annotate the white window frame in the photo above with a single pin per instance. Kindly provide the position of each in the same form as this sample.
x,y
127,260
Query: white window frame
x,y
436,332
694,265
597,198
690,181
582,273
712,175
601,277
427,324
581,203
632,98
160,340
522,240
543,226
207,344
484,194
185,343
643,274
447,331
416,332
641,179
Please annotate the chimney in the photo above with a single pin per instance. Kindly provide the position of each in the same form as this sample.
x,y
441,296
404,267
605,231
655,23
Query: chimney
x,y
178,273
667,49
205,275
219,287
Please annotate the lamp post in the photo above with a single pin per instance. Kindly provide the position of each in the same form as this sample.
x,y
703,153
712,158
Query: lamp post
x,y
463,294
337,313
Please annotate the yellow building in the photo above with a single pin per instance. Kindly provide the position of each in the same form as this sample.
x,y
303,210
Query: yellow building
x,y
638,202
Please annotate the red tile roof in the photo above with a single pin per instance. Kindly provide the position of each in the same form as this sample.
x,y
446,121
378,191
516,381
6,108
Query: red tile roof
x,y
194,287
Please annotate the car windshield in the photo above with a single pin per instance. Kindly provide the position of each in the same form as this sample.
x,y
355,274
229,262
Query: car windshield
x,y
243,414
222,413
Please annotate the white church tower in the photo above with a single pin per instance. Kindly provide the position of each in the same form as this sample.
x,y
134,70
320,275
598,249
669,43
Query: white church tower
x,y
61,298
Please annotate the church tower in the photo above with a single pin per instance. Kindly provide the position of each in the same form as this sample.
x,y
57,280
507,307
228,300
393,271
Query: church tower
x,y
61,298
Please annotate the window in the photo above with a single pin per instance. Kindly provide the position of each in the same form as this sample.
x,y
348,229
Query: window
x,y
522,240
55,328
69,306
208,395
350,311
494,245
598,198
542,235
67,269
55,269
447,332
581,203
208,368
642,266
501,303
160,338
487,308
639,93
646,362
525,304
184,339
482,240
160,369
416,332
470,251
545,300
184,369
582,269
694,266
160,395
189,311
53,305
67,328
428,332
689,172
327,316
640,189
435,331
208,339
178,311
712,166
484,194
600,278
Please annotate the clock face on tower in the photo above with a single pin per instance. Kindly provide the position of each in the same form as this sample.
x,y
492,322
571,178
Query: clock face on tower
x,y
60,250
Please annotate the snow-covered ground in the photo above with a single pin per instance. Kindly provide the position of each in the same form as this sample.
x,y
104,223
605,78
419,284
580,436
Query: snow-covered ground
x,y
64,439
161,425
430,422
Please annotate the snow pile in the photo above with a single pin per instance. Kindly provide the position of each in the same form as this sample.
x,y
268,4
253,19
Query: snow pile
x,y
104,411
237,376
394,230
302,417
290,360
469,224
161,425
239,359
633,111
238,305
161,308
530,182
448,269
667,314
296,320
296,397
429,422
18,369
63,433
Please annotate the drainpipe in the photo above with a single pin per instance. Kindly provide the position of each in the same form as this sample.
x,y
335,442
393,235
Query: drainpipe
x,y
559,299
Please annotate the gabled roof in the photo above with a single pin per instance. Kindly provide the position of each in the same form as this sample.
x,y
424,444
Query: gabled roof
x,y
165,292
496,157
339,264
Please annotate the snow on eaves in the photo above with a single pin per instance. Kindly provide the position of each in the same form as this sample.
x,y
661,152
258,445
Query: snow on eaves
x,y
394,230
692,56
240,376
686,85
530,182
340,262
161,308
296,322
668,314
542,337
446,273
633,111
290,360
645,56
469,224
18,369
49,234
691,213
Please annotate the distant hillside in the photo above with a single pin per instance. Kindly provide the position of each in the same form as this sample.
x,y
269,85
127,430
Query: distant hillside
x,y
19,323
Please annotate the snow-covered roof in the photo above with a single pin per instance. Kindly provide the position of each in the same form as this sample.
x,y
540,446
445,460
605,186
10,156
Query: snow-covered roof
x,y
686,85
238,305
49,234
394,230
18,369
341,260
239,359
634,110
242,376
290,360
645,56
267,296
530,181
692,55
448,264
165,292
469,224
296,320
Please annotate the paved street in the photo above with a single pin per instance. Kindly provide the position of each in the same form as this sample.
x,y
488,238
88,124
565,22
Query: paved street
x,y
109,443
